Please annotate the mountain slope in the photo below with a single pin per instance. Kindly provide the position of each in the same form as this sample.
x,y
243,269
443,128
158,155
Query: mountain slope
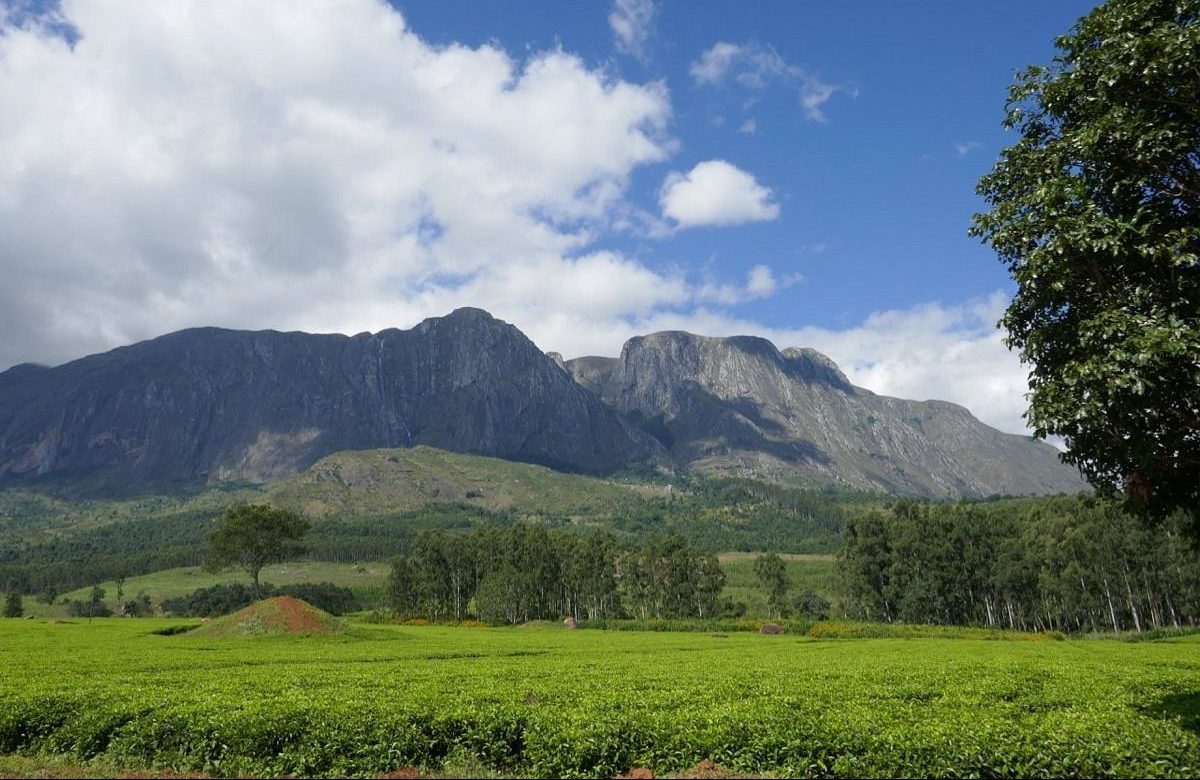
x,y
211,404
739,406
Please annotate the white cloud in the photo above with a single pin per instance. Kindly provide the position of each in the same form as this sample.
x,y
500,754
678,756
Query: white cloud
x,y
715,193
713,63
760,283
755,66
749,127
963,148
302,165
320,167
632,22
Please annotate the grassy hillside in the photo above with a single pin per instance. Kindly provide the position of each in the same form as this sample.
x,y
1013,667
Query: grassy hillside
x,y
172,583
376,482
368,483
370,505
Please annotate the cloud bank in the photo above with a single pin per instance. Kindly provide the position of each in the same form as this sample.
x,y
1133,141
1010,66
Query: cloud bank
x,y
317,166
299,165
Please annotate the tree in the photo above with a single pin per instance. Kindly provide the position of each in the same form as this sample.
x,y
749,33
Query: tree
x,y
252,535
96,607
402,587
812,605
772,577
13,608
709,580
119,581
1096,213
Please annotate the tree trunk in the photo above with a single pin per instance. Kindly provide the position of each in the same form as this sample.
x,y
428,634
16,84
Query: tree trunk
x,y
1112,612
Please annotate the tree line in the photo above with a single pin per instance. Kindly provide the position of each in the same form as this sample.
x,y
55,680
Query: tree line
x,y
1065,564
528,572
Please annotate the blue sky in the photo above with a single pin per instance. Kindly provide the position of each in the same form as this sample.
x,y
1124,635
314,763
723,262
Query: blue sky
x,y
587,171
875,201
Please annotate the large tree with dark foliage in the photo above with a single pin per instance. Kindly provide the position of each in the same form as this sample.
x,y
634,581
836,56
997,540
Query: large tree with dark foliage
x,y
252,535
1096,212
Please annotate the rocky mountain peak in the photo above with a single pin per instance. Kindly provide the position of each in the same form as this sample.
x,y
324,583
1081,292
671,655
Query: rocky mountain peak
x,y
739,406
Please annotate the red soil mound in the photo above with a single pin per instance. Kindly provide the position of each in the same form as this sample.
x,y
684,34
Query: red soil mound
x,y
272,617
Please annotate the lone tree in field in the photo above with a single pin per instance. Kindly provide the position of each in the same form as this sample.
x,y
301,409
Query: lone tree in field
x,y
1096,212
251,536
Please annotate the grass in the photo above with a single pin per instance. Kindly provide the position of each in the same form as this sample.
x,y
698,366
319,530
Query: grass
x,y
359,484
566,703
803,571
376,482
368,576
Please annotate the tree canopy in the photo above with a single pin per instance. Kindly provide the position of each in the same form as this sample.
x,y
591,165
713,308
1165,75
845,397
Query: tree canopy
x,y
1095,212
252,535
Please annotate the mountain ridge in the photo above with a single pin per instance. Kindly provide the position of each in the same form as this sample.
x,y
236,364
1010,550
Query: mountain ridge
x,y
208,405
738,406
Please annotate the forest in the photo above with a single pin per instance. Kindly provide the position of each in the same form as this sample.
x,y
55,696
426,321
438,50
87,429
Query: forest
x,y
1069,564
522,573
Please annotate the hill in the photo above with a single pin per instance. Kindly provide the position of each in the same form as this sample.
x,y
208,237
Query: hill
x,y
372,483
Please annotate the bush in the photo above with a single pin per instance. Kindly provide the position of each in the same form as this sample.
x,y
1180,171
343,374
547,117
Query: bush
x,y
224,599
77,608
811,605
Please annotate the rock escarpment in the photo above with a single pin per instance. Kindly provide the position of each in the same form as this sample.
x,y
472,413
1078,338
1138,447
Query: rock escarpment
x,y
739,406
209,404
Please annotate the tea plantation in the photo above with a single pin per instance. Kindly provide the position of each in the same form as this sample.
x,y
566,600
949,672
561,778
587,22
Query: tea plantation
x,y
545,701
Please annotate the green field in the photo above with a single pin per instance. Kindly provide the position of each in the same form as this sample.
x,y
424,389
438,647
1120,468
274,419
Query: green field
x,y
803,571
552,702
171,583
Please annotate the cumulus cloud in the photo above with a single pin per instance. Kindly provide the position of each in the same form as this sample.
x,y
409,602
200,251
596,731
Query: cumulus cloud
x,y
755,66
632,23
300,165
715,193
760,283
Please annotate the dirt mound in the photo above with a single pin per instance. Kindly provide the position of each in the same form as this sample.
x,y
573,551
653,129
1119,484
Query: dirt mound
x,y
278,616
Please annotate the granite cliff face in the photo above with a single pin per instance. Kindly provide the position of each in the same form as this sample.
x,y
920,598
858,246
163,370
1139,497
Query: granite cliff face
x,y
210,404
738,406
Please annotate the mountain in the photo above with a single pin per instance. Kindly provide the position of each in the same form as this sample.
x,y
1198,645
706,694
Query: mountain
x,y
214,406
209,404
739,406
